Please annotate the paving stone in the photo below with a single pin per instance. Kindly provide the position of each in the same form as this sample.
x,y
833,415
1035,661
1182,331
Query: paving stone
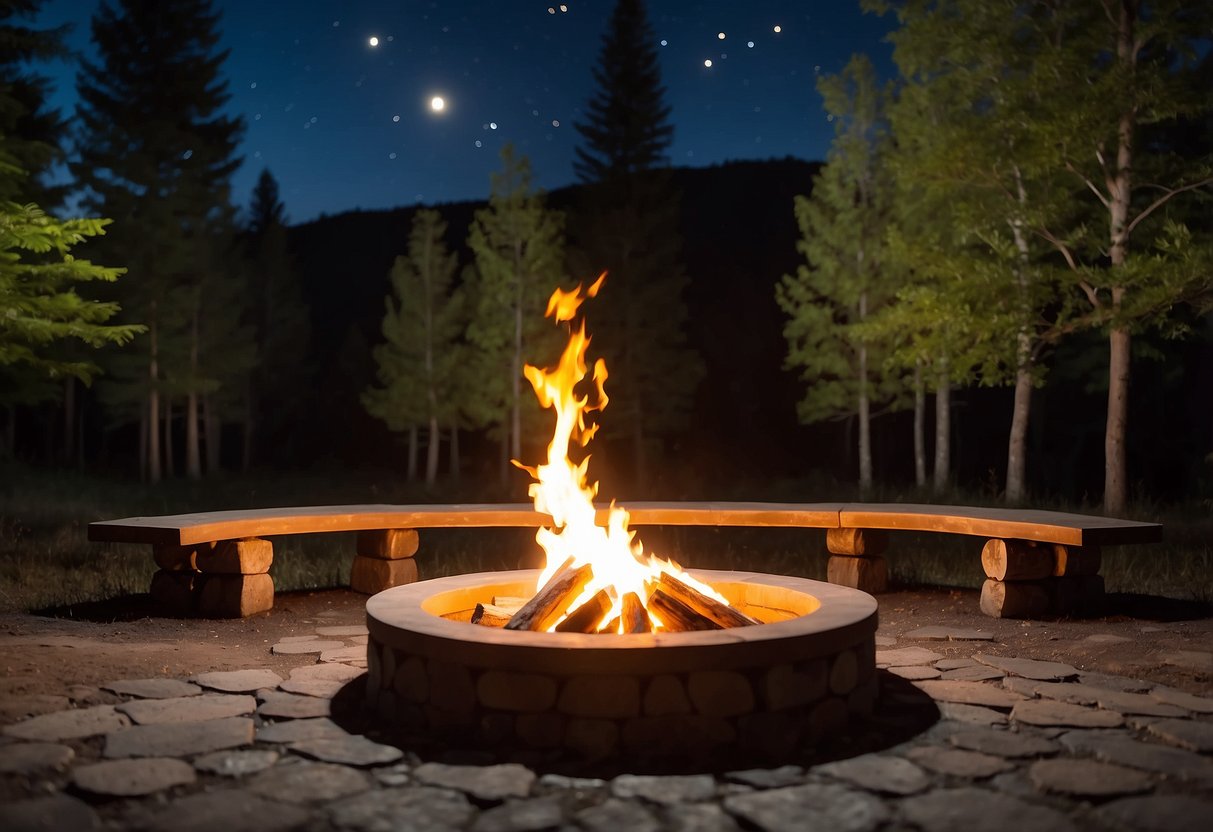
x,y
1182,699
305,781
1169,813
675,789
289,639
1003,743
915,672
322,680
343,630
396,775
295,648
33,757
133,778
937,633
906,656
613,815
1185,733
1195,659
187,708
971,714
293,706
520,816
958,762
177,739
811,806
969,693
13,708
878,773
973,673
562,781
1122,702
1087,778
238,681
1111,682
885,641
1029,668
1120,748
1026,687
767,778
153,688
701,817
236,763
343,653
952,664
484,783
350,750
1050,713
979,810
55,813
73,724
298,730
229,810
417,808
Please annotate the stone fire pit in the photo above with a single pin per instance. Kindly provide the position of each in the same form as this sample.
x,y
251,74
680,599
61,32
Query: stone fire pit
x,y
761,690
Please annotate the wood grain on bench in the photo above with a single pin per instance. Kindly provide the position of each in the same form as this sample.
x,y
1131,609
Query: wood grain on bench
x,y
1024,524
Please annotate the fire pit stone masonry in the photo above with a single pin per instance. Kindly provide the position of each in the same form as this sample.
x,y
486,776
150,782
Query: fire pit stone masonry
x,y
760,691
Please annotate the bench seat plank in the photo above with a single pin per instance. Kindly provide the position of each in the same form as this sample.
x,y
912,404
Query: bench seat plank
x,y
1006,523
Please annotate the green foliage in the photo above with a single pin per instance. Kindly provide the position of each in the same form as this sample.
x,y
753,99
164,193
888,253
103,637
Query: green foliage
x,y
419,359
39,306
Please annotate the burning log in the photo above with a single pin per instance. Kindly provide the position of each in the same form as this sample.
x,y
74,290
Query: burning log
x,y
587,617
490,615
721,614
635,616
676,616
513,603
550,603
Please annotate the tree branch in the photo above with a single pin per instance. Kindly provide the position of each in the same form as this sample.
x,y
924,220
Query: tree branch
x,y
1094,189
1162,200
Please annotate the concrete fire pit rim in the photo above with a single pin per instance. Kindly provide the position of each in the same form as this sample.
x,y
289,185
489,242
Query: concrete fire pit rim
x,y
395,617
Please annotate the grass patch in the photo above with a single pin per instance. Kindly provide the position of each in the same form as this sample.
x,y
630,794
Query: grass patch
x,y
47,561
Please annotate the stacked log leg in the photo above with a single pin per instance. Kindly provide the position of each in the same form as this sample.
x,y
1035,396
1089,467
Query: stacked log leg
x,y
855,559
234,580
1026,579
384,560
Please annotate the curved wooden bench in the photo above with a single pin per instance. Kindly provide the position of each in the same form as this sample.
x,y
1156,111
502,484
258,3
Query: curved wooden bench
x,y
217,562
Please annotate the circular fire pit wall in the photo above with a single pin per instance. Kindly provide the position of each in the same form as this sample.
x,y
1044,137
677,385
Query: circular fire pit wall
x,y
760,690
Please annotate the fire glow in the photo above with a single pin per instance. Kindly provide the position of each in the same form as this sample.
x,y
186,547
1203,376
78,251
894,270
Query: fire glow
x,y
607,582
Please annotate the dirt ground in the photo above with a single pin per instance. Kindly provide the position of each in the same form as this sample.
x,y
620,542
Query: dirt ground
x,y
75,650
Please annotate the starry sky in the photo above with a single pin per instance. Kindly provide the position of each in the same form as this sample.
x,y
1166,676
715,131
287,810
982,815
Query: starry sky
x,y
337,95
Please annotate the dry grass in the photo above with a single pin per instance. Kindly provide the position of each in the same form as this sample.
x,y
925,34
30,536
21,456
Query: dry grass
x,y
47,561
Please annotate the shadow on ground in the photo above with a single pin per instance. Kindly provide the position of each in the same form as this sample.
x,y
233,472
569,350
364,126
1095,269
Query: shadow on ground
x,y
901,713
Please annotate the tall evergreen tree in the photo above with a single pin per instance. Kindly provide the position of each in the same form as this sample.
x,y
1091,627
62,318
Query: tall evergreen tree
x,y
33,133
518,245
846,277
279,320
421,328
629,227
157,152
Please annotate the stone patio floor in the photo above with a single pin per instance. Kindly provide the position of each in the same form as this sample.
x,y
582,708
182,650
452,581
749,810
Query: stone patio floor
x,y
970,738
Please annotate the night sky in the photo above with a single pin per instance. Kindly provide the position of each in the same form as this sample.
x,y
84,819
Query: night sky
x,y
344,124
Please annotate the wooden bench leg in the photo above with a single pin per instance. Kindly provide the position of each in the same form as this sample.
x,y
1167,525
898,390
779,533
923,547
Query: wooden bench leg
x,y
1026,579
384,559
855,559
227,579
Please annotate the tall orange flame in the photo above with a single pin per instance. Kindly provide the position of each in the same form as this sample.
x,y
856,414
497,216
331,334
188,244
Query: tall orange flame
x,y
562,489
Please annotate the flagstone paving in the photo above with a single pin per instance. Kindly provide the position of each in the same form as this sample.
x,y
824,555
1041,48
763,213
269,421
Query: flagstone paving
x,y
967,736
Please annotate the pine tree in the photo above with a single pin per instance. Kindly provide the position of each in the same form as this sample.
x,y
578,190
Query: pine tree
x,y
421,329
157,153
518,245
628,227
846,277
279,320
33,134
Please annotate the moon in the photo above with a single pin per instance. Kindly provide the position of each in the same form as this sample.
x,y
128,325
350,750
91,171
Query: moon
x,y
437,104
373,41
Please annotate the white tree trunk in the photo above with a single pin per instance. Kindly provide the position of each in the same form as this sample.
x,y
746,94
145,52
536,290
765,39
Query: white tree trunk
x,y
943,428
920,414
865,418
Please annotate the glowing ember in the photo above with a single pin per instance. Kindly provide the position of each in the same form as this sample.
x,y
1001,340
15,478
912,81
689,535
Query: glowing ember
x,y
561,489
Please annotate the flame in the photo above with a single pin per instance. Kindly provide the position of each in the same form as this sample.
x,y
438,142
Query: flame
x,y
561,488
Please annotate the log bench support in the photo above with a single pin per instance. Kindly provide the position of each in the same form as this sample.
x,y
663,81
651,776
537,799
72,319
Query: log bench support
x,y
855,559
1026,579
384,559
225,579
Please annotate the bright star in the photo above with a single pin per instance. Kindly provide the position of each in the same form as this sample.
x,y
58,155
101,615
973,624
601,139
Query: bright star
x,y
373,41
437,104
778,29
708,62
